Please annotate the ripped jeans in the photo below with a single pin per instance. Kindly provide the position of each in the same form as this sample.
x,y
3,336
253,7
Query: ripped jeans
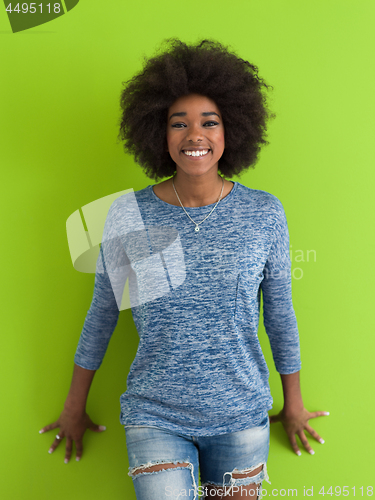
x,y
216,457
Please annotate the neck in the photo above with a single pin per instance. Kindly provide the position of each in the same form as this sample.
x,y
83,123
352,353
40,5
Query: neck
x,y
198,191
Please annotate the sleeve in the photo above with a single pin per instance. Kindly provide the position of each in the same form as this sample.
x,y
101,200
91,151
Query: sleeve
x,y
100,322
102,317
278,313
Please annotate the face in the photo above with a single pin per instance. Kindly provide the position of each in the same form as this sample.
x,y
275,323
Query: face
x,y
195,134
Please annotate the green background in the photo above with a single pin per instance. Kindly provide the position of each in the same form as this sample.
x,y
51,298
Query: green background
x,y
60,88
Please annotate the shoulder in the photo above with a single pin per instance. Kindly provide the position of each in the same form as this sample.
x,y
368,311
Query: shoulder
x,y
129,200
259,200
126,208
144,194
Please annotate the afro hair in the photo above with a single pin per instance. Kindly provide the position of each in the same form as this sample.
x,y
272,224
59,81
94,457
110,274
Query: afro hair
x,y
208,69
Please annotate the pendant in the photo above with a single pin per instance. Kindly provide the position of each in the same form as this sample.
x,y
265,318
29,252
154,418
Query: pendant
x,y
197,227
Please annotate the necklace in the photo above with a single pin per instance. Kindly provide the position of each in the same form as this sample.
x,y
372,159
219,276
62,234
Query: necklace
x,y
183,208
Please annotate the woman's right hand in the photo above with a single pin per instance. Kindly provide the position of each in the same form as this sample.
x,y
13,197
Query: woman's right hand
x,y
72,427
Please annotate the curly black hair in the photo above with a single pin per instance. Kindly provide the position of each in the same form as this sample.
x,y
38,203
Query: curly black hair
x,y
208,69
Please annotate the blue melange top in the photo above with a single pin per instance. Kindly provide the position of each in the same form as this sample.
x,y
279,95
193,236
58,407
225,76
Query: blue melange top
x,y
195,299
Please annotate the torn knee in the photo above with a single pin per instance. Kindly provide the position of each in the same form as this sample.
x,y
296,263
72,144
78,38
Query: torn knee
x,y
250,476
251,472
158,466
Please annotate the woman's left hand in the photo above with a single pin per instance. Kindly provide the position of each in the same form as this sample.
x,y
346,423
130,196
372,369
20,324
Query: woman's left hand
x,y
295,423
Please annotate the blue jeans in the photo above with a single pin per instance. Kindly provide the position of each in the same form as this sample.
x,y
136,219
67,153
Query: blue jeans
x,y
216,457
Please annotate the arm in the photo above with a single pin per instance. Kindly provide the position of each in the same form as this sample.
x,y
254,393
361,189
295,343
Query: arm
x,y
281,326
100,322
98,327
74,421
79,390
294,416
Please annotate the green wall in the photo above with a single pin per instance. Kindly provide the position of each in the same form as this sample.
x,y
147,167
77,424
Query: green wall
x,y
60,85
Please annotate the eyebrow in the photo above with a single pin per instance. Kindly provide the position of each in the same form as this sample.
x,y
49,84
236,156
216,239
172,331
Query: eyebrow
x,y
206,113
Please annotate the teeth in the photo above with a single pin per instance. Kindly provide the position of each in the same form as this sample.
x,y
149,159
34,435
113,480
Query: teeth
x,y
203,152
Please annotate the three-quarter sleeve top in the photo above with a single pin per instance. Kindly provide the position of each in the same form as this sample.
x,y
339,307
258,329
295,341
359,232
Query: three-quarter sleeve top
x,y
195,299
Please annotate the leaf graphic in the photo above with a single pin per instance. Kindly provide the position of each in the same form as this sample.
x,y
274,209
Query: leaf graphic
x,y
69,4
23,16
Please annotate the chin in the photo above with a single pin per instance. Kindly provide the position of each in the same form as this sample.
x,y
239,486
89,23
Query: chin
x,y
197,171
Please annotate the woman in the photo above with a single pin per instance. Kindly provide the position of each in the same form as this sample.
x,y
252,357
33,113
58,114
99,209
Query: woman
x,y
197,250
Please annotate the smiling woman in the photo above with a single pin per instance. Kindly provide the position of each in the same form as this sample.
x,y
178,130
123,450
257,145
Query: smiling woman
x,y
197,395
207,69
193,135
195,143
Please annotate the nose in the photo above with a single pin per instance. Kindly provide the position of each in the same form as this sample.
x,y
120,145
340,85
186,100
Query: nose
x,y
194,133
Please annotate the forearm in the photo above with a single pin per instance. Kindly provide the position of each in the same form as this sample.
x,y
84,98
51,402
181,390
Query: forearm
x,y
79,389
292,393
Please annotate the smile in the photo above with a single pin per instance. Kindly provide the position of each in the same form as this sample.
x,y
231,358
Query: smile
x,y
202,152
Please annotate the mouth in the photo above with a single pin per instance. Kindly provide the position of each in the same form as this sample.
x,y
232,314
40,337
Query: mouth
x,y
195,153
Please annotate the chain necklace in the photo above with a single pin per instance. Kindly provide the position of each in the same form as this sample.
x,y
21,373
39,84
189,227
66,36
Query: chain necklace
x,y
183,208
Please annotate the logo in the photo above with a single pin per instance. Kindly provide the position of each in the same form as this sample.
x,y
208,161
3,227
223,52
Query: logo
x,y
25,15
142,262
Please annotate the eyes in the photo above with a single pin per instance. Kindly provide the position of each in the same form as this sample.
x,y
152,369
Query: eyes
x,y
208,124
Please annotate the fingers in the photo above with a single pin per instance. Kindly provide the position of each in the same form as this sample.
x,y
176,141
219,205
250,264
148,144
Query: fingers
x,y
274,418
49,427
68,450
97,428
294,444
58,437
314,434
72,434
315,414
55,444
295,425
79,450
305,442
